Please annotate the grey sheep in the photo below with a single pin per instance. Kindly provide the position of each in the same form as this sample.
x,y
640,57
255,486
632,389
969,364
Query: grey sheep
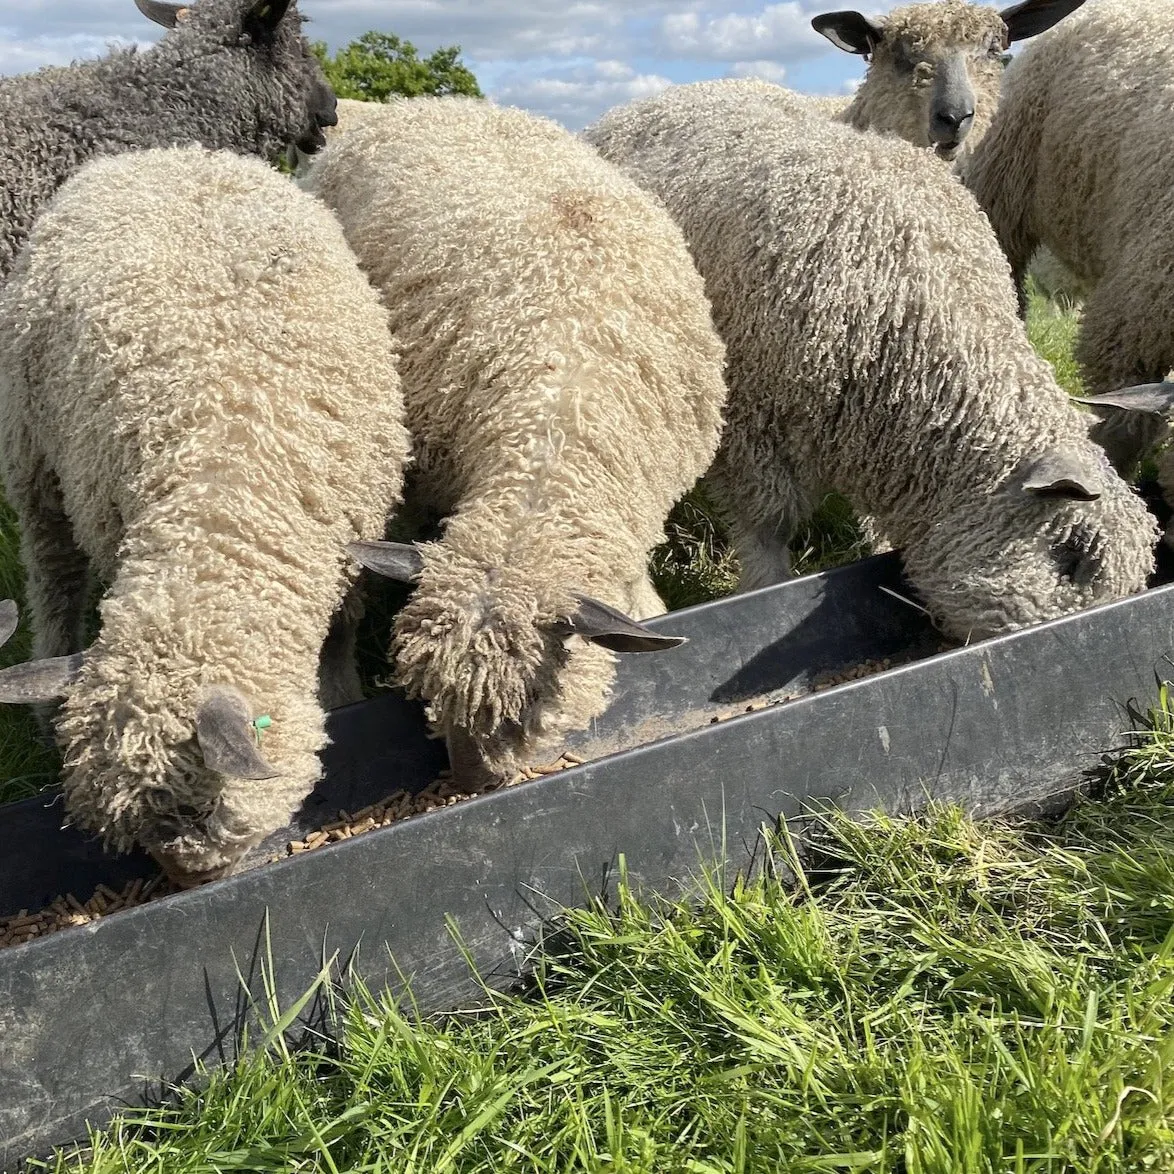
x,y
874,349
232,74
199,402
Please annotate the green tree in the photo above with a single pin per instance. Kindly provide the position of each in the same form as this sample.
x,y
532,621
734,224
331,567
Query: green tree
x,y
380,65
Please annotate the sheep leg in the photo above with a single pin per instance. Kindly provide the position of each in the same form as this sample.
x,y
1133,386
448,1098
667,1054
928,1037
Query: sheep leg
x,y
56,572
56,569
1119,344
761,512
338,671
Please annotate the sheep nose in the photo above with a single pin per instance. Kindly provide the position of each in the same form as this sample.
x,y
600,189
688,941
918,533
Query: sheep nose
x,y
948,127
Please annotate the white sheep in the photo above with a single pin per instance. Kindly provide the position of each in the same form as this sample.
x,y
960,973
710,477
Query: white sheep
x,y
199,401
1081,158
234,74
563,386
934,70
874,349
934,76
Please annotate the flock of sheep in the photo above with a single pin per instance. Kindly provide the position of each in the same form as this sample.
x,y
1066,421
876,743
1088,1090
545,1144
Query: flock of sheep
x,y
218,385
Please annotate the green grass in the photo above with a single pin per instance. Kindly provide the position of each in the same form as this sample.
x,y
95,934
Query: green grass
x,y
1052,327
930,996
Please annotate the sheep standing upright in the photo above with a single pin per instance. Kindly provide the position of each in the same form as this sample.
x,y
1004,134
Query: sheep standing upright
x,y
934,70
874,349
562,383
199,400
233,74
1081,158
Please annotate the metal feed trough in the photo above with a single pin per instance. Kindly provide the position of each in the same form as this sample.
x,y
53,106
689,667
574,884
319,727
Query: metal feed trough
x,y
94,1017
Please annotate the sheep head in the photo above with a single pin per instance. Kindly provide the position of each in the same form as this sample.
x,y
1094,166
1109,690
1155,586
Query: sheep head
x,y
505,665
1060,533
935,69
267,69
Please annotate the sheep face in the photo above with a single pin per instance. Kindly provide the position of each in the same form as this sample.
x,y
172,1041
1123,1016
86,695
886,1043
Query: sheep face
x,y
259,46
935,69
1060,534
506,665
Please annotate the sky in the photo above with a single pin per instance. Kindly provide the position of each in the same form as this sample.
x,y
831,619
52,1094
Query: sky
x,y
568,59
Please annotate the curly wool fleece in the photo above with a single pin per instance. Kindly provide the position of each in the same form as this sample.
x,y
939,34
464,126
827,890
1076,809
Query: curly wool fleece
x,y
875,349
200,390
1081,159
562,380
201,83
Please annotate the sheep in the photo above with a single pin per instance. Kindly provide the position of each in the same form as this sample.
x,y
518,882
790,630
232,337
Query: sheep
x,y
199,401
934,70
1078,158
349,113
234,74
563,386
874,349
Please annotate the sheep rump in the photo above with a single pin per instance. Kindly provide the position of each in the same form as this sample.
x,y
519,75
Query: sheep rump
x,y
199,401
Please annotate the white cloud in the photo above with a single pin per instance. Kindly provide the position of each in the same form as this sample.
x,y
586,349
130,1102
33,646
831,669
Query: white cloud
x,y
778,30
569,60
769,71
577,95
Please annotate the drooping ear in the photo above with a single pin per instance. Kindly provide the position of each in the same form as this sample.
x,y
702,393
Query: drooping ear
x,y
1145,397
168,15
1131,421
608,627
9,618
263,16
400,561
1062,472
1032,17
39,680
226,736
849,31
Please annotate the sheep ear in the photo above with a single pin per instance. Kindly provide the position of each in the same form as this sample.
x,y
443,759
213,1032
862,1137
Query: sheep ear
x,y
168,15
400,561
1034,16
849,31
263,16
226,736
604,625
1145,397
1063,473
39,680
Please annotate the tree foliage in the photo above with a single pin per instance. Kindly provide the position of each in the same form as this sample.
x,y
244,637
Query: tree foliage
x,y
379,66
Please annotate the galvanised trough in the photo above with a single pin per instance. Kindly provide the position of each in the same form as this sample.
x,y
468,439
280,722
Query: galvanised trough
x,y
98,1016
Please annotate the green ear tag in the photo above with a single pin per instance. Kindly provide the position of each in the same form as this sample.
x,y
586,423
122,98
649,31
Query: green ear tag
x,y
261,723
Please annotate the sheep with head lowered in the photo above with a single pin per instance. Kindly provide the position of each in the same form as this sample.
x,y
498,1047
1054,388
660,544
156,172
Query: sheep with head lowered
x,y
563,386
874,349
232,74
1081,158
199,402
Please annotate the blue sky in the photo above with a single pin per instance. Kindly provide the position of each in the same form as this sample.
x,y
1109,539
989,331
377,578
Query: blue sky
x,y
569,59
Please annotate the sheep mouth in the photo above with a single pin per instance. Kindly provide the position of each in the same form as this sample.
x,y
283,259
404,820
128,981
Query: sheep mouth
x,y
190,880
311,142
947,151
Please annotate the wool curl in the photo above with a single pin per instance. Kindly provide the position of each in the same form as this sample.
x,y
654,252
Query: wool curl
x,y
1080,159
563,386
875,350
201,83
199,401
